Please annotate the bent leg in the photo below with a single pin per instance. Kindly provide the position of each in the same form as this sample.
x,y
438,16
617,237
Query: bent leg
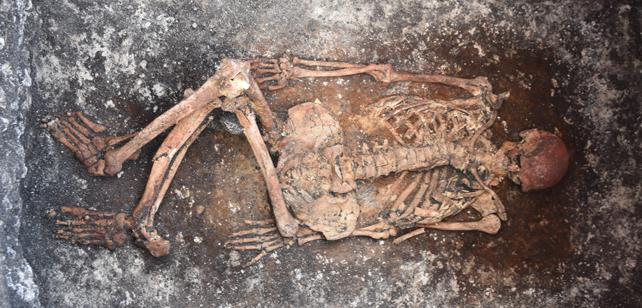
x,y
202,97
286,223
231,81
166,162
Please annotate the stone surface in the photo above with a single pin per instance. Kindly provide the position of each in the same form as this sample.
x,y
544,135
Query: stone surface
x,y
18,287
573,66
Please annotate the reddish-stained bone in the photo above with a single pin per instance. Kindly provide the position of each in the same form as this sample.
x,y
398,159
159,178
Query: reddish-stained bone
x,y
168,158
418,197
408,235
312,187
206,94
440,150
257,231
404,195
93,126
259,222
303,240
489,224
287,224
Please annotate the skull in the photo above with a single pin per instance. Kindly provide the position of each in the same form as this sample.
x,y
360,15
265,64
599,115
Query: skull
x,y
539,161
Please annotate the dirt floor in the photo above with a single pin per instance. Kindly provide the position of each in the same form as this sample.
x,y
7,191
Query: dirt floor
x,y
572,68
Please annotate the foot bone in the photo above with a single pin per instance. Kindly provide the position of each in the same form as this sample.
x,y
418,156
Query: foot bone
x,y
93,227
81,139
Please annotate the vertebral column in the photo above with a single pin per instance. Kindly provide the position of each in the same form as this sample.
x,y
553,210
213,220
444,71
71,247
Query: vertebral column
x,y
368,166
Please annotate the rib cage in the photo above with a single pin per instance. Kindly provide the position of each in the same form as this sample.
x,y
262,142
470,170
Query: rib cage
x,y
418,197
423,198
415,121
432,134
318,174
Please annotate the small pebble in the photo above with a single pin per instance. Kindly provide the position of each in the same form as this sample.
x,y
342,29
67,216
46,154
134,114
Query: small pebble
x,y
51,213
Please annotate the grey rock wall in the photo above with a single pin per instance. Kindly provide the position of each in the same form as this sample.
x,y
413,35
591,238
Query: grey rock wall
x,y
17,288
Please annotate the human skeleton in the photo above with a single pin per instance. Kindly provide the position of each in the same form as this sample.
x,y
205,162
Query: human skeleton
x,y
314,188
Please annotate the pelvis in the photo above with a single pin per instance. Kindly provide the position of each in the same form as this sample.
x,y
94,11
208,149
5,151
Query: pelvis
x,y
310,175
